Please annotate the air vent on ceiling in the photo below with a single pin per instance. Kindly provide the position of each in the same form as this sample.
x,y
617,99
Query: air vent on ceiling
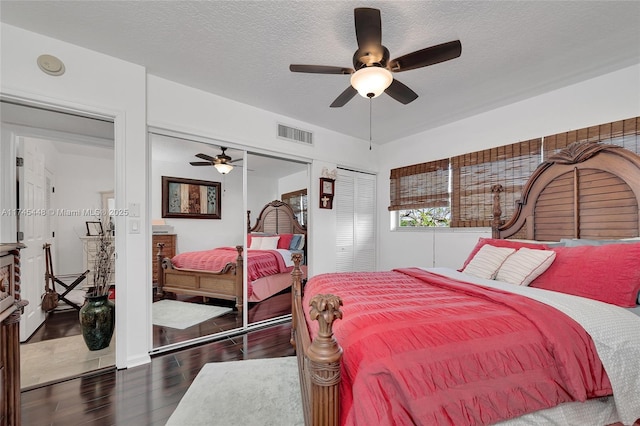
x,y
293,134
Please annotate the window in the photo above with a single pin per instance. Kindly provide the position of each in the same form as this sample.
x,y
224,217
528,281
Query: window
x,y
421,196
473,175
298,202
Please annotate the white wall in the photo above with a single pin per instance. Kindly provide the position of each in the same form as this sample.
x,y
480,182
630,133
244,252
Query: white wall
x,y
105,86
79,179
294,182
260,191
607,98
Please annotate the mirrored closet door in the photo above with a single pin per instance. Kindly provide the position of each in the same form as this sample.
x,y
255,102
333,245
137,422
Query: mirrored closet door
x,y
198,228
277,202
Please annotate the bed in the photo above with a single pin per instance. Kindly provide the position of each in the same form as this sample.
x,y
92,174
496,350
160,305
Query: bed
x,y
218,273
465,347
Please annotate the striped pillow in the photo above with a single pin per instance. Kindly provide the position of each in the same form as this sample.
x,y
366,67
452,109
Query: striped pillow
x,y
525,265
487,261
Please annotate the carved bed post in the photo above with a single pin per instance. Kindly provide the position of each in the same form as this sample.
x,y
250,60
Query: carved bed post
x,y
159,257
239,280
324,356
296,277
497,211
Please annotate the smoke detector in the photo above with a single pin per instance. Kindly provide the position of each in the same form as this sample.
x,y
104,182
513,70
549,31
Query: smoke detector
x,y
51,65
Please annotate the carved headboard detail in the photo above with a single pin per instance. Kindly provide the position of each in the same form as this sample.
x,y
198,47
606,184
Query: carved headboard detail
x,y
278,218
587,190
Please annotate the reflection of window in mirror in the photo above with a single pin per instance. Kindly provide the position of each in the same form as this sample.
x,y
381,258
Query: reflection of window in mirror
x,y
108,205
298,202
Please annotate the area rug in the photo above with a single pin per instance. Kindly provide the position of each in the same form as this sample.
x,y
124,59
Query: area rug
x,y
181,315
260,392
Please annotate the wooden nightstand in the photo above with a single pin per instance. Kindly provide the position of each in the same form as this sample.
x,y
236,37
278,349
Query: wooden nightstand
x,y
169,241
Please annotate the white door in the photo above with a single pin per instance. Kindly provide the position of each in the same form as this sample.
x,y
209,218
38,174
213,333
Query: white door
x,y
355,203
32,222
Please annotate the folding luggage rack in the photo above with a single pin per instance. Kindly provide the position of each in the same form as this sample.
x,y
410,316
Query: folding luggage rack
x,y
49,276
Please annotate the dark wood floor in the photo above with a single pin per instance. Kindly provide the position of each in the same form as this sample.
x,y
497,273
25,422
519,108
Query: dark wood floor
x,y
65,323
145,395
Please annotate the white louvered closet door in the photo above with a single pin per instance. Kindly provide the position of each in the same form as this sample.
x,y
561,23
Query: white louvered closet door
x,y
355,204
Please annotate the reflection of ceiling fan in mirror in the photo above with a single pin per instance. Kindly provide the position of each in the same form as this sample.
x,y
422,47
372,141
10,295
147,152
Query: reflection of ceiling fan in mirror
x,y
222,162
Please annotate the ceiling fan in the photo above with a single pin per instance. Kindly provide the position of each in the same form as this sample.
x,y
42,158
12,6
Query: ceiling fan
x,y
372,74
222,162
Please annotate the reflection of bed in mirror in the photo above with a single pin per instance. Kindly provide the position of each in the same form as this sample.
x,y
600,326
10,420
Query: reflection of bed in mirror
x,y
218,273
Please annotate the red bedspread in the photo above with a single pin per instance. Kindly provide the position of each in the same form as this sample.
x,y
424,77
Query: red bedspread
x,y
260,263
420,348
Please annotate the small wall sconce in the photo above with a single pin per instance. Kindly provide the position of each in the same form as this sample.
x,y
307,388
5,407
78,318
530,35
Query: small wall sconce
x,y
327,188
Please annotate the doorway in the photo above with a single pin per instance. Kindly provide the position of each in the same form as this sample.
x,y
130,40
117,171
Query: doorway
x,y
67,162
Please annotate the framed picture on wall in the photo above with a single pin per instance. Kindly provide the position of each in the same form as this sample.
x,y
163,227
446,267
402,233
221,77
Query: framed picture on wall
x,y
94,228
190,198
327,187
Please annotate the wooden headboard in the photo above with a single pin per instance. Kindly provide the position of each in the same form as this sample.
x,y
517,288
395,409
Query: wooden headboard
x,y
278,218
588,190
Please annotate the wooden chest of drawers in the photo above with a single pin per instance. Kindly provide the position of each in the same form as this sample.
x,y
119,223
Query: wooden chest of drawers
x,y
169,241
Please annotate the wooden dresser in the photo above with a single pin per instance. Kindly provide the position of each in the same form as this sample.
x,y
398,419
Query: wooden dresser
x,y
169,241
11,307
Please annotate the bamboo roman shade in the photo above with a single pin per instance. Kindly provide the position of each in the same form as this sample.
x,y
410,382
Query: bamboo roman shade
x,y
625,133
473,175
420,186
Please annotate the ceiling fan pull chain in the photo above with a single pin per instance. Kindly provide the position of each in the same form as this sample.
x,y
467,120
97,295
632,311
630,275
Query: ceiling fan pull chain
x,y
370,122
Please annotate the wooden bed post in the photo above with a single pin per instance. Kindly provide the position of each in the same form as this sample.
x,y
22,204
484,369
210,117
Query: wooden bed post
x,y
324,356
159,258
318,360
239,280
497,211
296,292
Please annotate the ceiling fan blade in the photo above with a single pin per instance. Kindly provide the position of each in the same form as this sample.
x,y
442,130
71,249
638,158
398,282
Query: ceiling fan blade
x,y
368,27
320,69
205,157
201,163
429,56
344,97
236,160
400,92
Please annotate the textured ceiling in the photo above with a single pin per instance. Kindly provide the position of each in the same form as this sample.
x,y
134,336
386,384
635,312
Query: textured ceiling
x,y
241,50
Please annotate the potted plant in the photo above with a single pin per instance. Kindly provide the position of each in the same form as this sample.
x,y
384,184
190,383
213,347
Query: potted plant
x,y
97,315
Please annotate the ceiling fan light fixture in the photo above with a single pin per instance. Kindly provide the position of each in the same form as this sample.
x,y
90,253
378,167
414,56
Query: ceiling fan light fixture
x,y
223,168
370,80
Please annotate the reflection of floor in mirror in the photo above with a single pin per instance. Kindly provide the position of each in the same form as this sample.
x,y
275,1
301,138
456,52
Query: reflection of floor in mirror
x,y
273,307
53,360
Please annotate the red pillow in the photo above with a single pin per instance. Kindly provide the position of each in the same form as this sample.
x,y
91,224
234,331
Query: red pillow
x,y
501,243
284,241
248,240
609,273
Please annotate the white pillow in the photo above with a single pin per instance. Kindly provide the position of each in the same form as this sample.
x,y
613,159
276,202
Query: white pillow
x,y
487,261
268,243
256,242
525,265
